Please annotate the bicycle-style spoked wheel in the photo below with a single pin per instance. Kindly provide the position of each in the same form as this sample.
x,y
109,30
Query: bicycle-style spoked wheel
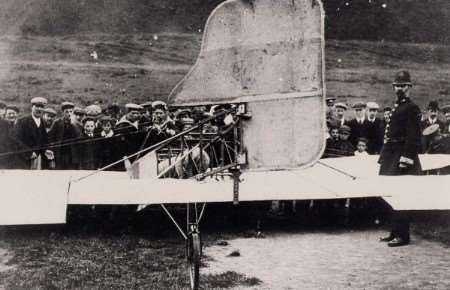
x,y
193,259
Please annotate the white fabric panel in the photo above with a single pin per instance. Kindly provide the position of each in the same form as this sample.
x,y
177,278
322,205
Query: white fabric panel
x,y
32,197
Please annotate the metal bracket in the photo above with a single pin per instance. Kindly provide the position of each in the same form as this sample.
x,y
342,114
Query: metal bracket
x,y
242,111
236,172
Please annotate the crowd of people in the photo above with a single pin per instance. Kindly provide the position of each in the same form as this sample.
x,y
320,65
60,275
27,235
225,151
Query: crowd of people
x,y
87,138
364,133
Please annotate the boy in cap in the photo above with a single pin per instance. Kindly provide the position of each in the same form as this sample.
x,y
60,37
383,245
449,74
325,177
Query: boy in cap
x,y
86,147
344,146
375,129
29,134
331,147
107,143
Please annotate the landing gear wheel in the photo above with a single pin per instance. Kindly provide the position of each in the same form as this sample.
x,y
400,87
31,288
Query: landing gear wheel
x,y
193,259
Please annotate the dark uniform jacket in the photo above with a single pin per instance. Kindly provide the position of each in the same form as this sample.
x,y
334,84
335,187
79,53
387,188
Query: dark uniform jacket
x,y
375,134
358,130
27,136
65,132
402,140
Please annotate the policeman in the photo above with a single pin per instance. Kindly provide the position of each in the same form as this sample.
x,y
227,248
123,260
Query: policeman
x,y
399,155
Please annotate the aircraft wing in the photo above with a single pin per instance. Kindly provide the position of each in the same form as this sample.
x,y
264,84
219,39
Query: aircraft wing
x,y
41,197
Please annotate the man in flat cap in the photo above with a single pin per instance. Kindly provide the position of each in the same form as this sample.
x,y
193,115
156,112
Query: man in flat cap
x,y
358,124
162,125
339,112
375,129
146,118
64,135
129,130
48,118
6,127
432,116
29,134
399,155
11,114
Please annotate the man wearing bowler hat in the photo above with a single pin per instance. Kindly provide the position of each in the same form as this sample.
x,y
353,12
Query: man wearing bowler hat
x,y
399,155
29,135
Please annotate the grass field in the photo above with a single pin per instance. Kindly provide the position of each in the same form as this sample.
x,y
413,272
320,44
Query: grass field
x,y
147,66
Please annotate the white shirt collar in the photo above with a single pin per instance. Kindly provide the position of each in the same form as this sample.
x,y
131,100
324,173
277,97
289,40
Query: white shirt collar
x,y
360,120
432,120
110,134
37,121
371,120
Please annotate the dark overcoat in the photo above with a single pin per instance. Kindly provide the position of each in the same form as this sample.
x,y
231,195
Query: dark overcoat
x,y
26,135
402,138
358,130
375,133
65,132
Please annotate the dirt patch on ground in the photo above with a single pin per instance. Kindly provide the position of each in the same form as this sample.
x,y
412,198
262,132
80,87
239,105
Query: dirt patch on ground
x,y
340,260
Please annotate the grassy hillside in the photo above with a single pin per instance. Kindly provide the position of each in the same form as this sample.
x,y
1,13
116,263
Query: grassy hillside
x,y
396,20
147,66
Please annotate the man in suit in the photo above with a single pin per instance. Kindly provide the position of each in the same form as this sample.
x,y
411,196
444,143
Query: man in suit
x,y
399,155
375,129
64,131
29,135
339,111
358,125
432,116
128,128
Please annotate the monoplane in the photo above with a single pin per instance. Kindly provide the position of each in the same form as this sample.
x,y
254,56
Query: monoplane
x,y
261,68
